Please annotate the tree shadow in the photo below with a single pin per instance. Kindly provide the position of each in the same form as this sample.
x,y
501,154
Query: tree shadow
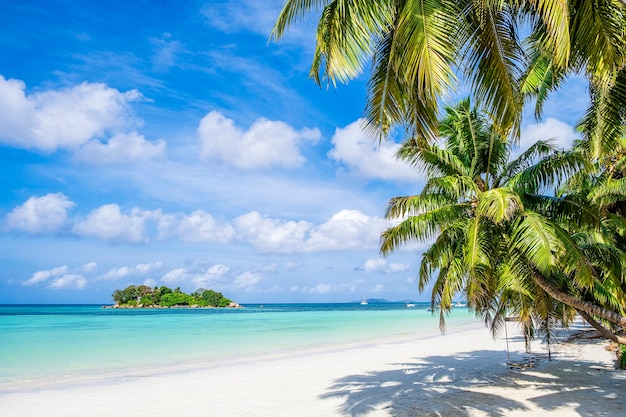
x,y
460,386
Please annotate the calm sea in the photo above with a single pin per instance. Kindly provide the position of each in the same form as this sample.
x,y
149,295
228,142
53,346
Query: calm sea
x,y
40,344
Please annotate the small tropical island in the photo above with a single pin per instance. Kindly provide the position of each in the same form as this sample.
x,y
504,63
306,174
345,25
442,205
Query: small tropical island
x,y
143,296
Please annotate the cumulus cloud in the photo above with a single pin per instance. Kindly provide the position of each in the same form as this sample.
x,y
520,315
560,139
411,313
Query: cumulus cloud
x,y
139,269
117,273
175,276
265,144
346,230
382,266
203,278
69,281
271,235
121,148
64,118
44,275
149,267
364,158
91,119
246,281
562,133
197,227
57,278
45,214
108,223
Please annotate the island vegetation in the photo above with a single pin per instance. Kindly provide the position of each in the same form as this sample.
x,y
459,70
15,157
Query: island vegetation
x,y
138,296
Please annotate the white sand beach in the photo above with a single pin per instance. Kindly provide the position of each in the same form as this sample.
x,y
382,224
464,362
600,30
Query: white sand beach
x,y
461,373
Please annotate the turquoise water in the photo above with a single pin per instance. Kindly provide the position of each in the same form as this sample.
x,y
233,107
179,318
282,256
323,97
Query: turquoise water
x,y
48,343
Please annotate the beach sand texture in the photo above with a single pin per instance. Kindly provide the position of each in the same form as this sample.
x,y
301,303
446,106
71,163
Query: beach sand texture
x,y
462,373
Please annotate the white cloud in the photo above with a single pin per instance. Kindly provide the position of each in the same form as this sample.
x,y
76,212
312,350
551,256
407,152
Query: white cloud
x,y
381,265
117,273
347,229
40,214
108,223
64,118
175,276
150,267
364,158
217,269
271,235
320,289
265,144
70,281
326,288
89,267
139,269
197,227
562,133
44,275
121,148
57,278
206,278
246,281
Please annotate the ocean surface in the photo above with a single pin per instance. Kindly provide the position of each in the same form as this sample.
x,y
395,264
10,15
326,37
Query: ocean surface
x,y
43,344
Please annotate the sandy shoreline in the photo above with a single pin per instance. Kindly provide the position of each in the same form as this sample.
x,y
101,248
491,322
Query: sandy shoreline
x,y
462,373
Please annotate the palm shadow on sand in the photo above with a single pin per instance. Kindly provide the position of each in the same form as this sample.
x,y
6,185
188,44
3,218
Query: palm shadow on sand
x,y
452,386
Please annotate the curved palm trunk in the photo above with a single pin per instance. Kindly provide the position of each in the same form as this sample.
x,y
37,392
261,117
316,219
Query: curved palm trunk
x,y
600,328
580,305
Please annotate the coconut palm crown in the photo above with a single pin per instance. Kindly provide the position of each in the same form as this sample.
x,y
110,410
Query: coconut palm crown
x,y
500,234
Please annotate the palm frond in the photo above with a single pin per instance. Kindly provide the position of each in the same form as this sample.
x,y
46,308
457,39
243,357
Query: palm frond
x,y
431,159
498,205
419,228
492,55
534,236
538,150
425,37
550,171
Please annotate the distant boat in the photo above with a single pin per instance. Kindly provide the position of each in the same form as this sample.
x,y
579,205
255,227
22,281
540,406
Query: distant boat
x,y
458,304
364,302
410,305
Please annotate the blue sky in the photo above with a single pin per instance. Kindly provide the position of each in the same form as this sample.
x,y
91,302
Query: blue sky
x,y
168,143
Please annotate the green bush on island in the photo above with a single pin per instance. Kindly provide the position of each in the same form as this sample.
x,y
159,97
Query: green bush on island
x,y
135,295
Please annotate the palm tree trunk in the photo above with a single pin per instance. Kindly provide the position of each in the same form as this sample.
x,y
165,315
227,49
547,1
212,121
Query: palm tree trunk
x,y
600,328
579,304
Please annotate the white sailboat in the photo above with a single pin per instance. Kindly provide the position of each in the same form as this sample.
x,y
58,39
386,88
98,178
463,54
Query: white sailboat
x,y
364,302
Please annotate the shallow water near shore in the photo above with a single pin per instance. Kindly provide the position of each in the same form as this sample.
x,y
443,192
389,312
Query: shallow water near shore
x,y
44,343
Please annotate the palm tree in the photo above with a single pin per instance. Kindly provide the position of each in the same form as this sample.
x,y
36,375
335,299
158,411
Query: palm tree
x,y
597,49
510,248
416,48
